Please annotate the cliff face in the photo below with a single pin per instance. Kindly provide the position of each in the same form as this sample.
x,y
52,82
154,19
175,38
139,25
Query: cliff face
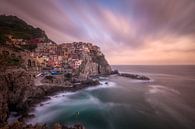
x,y
13,92
94,63
92,66
18,92
17,34
3,105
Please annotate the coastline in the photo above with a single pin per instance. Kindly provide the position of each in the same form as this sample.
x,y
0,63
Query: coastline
x,y
53,90
20,122
120,83
19,94
106,82
40,93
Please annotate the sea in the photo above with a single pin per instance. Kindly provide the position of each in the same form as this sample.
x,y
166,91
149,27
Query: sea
x,y
167,101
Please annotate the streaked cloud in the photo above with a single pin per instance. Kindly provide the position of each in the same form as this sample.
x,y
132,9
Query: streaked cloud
x,y
128,31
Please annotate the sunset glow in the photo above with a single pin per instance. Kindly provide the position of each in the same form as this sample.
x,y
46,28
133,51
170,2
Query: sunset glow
x,y
128,32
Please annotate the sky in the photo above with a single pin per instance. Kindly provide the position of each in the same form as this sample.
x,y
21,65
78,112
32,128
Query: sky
x,y
144,32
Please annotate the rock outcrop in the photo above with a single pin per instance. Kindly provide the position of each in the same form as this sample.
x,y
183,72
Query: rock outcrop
x,y
19,47
14,93
94,63
4,110
134,76
18,92
21,125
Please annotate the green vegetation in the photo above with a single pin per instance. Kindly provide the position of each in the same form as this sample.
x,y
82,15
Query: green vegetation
x,y
29,47
18,29
3,38
10,61
12,25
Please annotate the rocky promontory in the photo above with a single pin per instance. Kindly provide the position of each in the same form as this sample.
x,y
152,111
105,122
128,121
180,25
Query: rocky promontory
x,y
25,52
18,93
33,67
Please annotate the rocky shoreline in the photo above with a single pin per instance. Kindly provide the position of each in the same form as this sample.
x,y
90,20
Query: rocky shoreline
x,y
130,76
22,125
134,76
65,67
18,94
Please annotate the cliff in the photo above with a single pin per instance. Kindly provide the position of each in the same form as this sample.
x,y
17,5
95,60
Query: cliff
x,y
18,92
13,92
19,45
85,59
94,63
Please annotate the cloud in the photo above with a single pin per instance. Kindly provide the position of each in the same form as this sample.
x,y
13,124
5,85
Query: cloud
x,y
129,26
174,51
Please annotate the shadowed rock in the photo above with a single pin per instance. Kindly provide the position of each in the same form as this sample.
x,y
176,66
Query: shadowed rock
x,y
134,76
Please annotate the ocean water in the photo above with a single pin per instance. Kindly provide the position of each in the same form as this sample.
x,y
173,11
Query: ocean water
x,y
167,101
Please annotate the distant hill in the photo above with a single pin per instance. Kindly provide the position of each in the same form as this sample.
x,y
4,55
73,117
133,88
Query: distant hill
x,y
19,29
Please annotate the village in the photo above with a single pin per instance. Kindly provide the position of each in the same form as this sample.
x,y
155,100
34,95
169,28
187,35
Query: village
x,y
49,57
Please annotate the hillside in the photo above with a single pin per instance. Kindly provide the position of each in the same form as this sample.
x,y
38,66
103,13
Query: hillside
x,y
26,52
19,29
27,42
16,36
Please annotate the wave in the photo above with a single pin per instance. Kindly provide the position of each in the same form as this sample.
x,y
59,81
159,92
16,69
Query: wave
x,y
161,89
67,96
141,81
103,84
